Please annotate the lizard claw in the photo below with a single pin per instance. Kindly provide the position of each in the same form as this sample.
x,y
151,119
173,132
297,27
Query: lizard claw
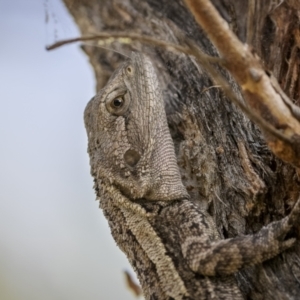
x,y
280,228
294,216
286,244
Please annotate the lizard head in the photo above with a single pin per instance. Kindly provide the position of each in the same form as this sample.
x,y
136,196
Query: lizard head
x,y
130,145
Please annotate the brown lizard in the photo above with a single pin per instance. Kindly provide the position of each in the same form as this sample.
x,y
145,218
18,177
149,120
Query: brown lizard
x,y
172,244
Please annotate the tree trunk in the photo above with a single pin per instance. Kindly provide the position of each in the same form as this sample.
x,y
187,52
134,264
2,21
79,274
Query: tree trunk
x,y
223,158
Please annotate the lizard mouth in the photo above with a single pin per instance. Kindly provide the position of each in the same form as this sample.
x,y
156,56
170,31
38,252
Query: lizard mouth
x,y
147,197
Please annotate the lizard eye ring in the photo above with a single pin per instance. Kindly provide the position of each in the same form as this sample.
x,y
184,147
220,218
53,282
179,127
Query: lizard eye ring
x,y
117,105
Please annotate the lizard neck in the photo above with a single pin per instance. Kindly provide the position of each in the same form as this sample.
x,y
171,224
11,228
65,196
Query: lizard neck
x,y
136,237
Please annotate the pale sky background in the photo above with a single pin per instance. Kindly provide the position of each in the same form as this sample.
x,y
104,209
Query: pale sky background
x,y
54,241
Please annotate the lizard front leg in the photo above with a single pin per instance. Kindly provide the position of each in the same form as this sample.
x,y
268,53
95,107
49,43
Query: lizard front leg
x,y
208,256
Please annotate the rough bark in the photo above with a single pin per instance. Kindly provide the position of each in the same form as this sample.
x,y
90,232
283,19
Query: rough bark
x,y
224,161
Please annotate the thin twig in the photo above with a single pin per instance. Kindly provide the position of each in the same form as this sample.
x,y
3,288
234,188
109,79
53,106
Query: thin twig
x,y
127,38
250,21
252,115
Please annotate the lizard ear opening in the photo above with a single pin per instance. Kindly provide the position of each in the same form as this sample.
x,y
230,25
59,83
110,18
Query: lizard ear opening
x,y
131,157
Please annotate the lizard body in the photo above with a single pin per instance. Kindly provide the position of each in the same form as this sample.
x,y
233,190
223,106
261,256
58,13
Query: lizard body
x,y
171,243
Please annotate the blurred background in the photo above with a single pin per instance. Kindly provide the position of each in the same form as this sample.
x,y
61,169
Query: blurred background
x,y
54,241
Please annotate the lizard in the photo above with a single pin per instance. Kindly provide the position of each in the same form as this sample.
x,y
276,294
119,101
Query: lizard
x,y
172,244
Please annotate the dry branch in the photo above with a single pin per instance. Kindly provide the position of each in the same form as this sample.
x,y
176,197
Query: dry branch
x,y
256,84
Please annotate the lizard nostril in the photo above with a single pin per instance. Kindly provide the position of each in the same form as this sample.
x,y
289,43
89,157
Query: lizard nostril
x,y
131,157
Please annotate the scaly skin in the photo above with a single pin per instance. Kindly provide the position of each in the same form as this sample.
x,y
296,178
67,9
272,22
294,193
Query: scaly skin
x,y
173,246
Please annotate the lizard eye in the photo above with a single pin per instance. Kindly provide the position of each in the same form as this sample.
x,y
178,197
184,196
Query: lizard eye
x,y
118,104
